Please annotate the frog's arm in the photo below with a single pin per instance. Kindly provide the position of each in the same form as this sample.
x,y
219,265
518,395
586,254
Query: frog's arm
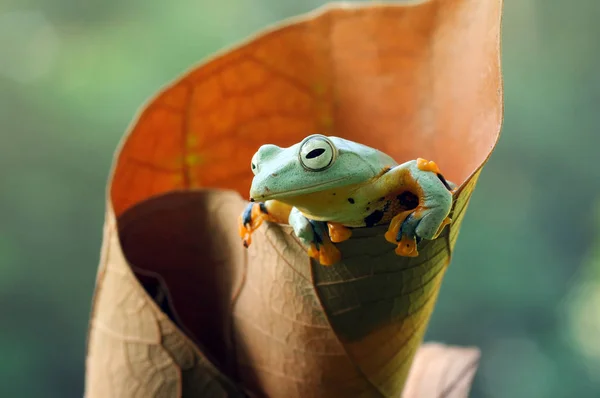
x,y
429,218
255,213
312,233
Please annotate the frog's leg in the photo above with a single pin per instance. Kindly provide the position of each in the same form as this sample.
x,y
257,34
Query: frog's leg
x,y
255,213
314,235
429,218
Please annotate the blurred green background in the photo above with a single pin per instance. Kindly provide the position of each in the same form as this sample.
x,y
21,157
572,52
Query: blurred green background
x,y
524,285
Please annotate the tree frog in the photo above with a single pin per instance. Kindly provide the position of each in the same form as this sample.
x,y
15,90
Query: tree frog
x,y
326,186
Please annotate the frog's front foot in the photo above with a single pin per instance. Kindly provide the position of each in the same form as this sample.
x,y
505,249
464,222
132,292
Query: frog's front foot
x,y
314,235
251,218
321,247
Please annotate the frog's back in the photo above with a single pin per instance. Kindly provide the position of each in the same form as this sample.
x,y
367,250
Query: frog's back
x,y
372,156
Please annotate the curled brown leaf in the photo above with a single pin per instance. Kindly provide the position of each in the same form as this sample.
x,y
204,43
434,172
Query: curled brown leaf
x,y
181,309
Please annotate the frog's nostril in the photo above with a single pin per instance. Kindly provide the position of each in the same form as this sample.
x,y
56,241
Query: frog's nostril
x,y
274,175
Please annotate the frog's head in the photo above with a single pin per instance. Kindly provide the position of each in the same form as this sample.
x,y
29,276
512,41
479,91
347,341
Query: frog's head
x,y
318,163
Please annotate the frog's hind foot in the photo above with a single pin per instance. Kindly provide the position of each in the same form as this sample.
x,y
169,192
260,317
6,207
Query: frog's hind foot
x,y
325,253
251,218
406,245
429,217
404,231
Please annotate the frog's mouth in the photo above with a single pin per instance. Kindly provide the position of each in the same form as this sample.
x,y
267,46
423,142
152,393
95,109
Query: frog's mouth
x,y
267,194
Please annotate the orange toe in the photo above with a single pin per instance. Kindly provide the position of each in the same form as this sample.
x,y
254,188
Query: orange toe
x,y
338,233
244,232
390,236
313,252
247,239
407,247
329,254
394,228
241,228
427,165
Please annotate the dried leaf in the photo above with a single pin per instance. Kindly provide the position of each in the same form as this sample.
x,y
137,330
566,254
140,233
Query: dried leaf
x,y
181,309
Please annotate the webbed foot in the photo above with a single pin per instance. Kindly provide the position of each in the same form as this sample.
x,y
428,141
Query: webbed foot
x,y
325,253
406,231
429,217
314,235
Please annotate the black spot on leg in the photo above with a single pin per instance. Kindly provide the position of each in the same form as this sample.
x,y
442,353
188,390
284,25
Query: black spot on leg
x,y
333,194
381,199
408,200
386,207
367,209
373,218
263,208
351,200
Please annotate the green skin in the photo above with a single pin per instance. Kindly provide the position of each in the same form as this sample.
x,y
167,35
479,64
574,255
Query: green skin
x,y
330,179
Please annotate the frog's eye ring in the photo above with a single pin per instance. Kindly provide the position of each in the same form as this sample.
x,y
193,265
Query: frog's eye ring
x,y
317,153
254,163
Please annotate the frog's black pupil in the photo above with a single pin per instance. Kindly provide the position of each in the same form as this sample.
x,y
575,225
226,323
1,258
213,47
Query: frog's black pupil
x,y
253,166
314,153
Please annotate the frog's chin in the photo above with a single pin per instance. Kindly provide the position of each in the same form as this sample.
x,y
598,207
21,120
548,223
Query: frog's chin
x,y
322,186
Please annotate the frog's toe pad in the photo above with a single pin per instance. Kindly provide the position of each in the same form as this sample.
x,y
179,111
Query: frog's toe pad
x,y
338,233
313,252
407,247
327,254
427,165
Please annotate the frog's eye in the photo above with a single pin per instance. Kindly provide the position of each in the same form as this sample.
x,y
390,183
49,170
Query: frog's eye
x,y
254,163
317,153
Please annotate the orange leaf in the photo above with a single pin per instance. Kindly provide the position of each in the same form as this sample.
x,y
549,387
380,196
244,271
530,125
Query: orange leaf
x,y
182,309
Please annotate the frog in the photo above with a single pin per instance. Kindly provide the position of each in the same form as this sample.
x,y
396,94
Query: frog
x,y
324,187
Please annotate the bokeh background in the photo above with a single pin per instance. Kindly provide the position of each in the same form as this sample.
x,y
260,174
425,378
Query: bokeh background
x,y
524,285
